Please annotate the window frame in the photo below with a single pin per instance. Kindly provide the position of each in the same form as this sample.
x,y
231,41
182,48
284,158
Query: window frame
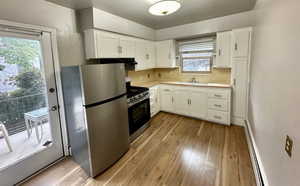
x,y
211,58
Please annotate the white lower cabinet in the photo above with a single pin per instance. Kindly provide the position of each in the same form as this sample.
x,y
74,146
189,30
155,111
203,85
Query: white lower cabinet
x,y
212,104
181,105
154,100
218,116
166,99
198,103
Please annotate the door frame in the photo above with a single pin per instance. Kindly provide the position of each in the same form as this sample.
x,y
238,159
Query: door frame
x,y
56,65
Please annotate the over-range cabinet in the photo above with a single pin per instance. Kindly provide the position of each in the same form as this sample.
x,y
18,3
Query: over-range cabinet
x,y
97,114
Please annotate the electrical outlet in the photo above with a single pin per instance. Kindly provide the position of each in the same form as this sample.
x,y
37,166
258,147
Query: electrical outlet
x,y
289,146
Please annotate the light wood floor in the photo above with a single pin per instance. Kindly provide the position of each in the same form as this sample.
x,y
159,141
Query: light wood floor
x,y
175,150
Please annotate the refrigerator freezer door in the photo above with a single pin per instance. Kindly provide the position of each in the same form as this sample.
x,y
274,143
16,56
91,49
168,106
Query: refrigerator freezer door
x,y
102,81
108,133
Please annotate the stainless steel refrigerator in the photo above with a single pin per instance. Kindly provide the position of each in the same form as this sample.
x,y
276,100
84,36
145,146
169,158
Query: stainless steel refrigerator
x,y
96,114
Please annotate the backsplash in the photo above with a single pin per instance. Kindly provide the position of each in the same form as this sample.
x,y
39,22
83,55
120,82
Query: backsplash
x,y
216,76
142,76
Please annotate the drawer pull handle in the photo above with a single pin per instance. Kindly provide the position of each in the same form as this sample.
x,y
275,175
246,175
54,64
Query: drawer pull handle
x,y
216,105
218,95
168,90
217,117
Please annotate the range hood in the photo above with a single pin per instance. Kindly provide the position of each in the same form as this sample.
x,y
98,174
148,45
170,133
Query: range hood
x,y
129,62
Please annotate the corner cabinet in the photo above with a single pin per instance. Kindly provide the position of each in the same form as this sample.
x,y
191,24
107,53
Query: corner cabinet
x,y
145,55
154,100
223,50
165,54
212,104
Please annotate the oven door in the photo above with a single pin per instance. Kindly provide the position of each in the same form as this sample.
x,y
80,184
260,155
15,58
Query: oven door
x,y
139,115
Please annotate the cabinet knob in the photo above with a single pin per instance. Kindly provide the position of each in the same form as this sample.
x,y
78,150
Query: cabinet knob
x,y
235,46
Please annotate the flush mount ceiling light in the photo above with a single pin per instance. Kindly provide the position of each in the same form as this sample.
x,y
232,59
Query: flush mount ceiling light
x,y
162,8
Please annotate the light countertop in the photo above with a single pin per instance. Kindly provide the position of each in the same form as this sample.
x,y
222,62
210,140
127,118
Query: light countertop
x,y
154,83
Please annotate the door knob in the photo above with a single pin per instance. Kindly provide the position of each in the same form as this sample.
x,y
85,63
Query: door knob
x,y
54,108
52,90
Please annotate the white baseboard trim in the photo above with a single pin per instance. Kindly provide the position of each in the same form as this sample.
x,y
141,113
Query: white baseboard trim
x,y
238,121
259,171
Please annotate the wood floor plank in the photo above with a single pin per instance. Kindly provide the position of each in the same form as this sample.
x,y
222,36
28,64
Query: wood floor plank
x,y
174,150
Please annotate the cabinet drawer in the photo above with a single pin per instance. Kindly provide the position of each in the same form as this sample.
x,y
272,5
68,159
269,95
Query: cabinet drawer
x,y
218,94
218,104
218,116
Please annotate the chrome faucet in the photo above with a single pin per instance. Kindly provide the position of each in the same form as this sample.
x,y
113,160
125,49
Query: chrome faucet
x,y
194,80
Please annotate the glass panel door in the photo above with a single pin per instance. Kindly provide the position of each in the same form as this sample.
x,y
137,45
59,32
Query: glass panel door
x,y
30,135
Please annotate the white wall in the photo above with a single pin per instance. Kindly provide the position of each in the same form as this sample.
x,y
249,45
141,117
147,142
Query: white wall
x,y
275,88
244,19
40,12
99,19
107,21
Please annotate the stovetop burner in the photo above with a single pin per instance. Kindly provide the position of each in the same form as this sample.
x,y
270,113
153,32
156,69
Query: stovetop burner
x,y
133,91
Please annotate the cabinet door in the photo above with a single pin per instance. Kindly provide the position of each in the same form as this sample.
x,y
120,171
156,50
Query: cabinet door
x,y
166,100
240,87
151,55
181,101
127,49
107,45
198,104
223,59
240,44
165,54
90,36
140,55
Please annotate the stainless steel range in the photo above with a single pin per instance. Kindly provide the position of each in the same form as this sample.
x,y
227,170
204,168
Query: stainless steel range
x,y
138,110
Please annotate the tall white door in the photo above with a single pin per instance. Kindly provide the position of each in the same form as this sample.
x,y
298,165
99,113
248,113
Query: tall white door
x,y
240,87
29,107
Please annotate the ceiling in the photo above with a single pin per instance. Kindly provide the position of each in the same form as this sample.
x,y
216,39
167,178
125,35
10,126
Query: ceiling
x,y
137,10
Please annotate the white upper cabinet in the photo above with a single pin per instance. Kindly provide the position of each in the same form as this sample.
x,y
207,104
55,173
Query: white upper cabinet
x,y
100,44
240,42
127,48
144,55
165,54
151,55
148,54
223,50
141,55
